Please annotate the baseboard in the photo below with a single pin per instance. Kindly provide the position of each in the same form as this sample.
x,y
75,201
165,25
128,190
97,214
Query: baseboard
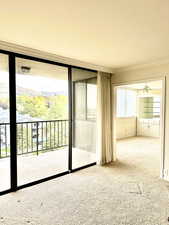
x,y
166,178
162,174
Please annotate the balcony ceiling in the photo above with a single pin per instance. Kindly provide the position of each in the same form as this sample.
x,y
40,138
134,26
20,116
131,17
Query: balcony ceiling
x,y
104,32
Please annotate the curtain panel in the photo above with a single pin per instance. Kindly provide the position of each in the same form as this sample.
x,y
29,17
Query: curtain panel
x,y
104,119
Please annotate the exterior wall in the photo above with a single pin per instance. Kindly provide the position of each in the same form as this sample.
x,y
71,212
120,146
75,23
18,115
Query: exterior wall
x,y
125,127
150,73
85,131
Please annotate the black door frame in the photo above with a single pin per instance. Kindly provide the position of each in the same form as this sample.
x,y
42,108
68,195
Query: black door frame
x,y
13,134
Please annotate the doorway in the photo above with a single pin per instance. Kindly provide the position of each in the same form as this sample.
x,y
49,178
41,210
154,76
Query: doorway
x,y
139,125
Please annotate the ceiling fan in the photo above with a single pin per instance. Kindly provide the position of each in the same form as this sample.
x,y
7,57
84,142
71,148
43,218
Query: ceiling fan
x,y
146,89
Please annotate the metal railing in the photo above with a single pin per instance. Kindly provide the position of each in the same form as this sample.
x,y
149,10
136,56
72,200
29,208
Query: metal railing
x,y
35,137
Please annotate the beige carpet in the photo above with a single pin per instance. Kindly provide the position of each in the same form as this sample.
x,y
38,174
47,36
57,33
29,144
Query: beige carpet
x,y
126,193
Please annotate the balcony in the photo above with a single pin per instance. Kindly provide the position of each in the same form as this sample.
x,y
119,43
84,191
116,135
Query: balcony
x,y
35,137
42,149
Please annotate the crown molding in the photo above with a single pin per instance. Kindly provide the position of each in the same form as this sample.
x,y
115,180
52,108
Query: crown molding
x,y
53,57
159,62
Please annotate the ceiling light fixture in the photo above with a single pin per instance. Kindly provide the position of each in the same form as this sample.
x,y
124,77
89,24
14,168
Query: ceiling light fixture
x,y
25,69
146,89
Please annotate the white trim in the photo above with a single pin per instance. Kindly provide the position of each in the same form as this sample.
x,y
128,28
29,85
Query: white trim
x,y
162,117
46,55
163,122
143,65
166,178
121,83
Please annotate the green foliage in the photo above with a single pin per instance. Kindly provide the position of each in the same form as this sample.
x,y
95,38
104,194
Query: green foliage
x,y
57,107
4,103
47,108
34,106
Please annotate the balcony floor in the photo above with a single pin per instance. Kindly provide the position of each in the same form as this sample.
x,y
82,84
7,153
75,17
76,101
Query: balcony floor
x,y
33,167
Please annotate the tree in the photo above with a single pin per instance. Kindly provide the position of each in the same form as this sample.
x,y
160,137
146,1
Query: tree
x,y
4,103
34,106
46,108
58,108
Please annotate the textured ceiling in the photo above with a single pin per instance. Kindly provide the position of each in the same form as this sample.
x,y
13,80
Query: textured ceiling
x,y
104,32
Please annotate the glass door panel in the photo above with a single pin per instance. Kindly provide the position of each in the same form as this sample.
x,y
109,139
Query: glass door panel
x,y
4,124
84,87
42,120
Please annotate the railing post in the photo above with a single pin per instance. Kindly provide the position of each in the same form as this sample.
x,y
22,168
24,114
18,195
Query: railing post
x,y
37,138
60,127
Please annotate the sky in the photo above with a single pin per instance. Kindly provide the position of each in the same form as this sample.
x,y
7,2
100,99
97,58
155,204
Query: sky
x,y
36,83
39,83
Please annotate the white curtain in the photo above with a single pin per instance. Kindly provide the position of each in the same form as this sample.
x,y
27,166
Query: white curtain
x,y
104,119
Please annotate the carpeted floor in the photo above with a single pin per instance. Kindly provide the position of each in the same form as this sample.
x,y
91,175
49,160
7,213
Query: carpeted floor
x,y
128,192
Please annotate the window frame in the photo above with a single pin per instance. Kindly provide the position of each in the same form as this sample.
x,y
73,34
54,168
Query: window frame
x,y
13,134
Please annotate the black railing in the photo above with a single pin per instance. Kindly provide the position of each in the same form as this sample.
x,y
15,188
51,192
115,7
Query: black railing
x,y
35,137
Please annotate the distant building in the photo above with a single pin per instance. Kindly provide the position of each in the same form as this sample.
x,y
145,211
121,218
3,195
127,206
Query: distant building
x,y
5,129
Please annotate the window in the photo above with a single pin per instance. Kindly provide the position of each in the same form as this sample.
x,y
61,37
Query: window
x,y
156,107
126,102
43,124
149,107
80,100
85,101
91,99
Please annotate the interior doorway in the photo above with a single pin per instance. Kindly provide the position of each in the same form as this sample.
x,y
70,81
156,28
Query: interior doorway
x,y
139,125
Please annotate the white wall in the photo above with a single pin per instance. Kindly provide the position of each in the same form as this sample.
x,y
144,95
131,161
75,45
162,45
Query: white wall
x,y
148,127
131,127
125,127
150,73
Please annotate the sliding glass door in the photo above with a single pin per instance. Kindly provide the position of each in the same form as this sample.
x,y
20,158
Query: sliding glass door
x,y
4,124
42,120
84,89
50,111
